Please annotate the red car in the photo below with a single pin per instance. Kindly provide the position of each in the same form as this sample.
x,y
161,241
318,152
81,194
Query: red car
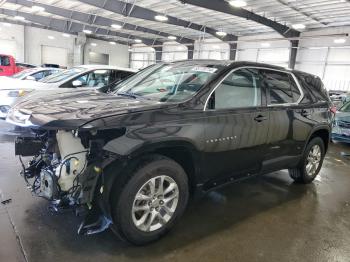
x,y
9,67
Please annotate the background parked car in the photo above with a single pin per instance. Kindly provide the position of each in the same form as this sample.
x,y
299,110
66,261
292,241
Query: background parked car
x,y
87,76
339,97
341,126
35,74
51,65
24,66
8,65
98,77
13,87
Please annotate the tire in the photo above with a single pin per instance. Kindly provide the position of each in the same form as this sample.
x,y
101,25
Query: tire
x,y
302,174
138,180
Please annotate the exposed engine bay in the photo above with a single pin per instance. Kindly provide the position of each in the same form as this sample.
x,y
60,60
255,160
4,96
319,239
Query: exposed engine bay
x,y
65,169
57,169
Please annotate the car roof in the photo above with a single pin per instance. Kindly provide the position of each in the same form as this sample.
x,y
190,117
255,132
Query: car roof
x,y
227,63
44,68
92,67
230,63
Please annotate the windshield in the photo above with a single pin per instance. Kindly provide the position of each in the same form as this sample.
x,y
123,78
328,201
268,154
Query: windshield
x,y
345,108
23,73
168,82
62,75
133,79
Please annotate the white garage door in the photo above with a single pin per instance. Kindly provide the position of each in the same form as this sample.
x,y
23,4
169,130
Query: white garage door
x,y
8,47
54,55
98,58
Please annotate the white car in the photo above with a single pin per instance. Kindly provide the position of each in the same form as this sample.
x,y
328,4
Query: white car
x,y
35,74
99,77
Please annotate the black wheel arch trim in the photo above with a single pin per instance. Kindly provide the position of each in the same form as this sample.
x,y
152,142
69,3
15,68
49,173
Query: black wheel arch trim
x,y
119,162
314,130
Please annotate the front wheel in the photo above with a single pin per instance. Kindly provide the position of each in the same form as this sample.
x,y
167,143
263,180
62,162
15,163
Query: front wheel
x,y
311,163
153,198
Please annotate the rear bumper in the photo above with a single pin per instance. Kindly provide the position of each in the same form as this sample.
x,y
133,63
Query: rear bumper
x,y
340,138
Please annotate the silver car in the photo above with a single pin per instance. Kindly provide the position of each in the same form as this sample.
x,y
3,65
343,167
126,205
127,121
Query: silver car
x,y
13,87
36,73
98,77
341,124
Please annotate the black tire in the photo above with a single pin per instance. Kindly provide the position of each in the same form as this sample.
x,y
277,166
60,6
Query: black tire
x,y
299,174
126,188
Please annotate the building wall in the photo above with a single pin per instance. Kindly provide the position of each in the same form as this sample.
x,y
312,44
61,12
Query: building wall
x,y
28,41
323,57
142,56
35,38
14,34
173,51
118,54
211,49
271,52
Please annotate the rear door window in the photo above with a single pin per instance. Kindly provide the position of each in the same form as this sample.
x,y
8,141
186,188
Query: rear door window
x,y
281,87
278,87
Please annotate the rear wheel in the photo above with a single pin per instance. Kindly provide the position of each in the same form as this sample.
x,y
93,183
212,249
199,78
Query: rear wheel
x,y
311,163
154,196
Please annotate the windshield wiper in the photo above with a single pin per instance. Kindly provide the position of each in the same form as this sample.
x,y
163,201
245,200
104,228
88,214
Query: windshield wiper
x,y
126,94
133,95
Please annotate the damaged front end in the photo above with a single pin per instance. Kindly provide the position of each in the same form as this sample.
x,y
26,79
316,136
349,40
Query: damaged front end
x,y
66,168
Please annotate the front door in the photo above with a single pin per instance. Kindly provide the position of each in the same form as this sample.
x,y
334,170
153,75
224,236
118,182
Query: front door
x,y
236,128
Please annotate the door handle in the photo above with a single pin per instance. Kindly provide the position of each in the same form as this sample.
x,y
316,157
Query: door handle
x,y
260,118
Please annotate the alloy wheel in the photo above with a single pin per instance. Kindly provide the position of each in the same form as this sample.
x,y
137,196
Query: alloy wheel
x,y
155,203
313,160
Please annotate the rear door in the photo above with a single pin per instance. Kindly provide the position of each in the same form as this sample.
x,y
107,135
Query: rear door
x,y
236,127
288,119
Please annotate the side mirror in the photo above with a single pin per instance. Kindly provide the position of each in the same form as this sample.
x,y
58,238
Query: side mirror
x,y
77,83
32,78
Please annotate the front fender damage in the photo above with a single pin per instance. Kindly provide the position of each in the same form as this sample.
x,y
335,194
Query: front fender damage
x,y
67,168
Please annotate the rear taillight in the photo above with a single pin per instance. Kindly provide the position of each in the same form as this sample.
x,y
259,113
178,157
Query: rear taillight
x,y
333,109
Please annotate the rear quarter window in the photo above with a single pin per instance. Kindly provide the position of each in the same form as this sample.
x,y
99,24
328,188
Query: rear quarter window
x,y
295,89
313,87
307,89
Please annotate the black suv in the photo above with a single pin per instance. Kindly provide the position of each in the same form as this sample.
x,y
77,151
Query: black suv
x,y
130,159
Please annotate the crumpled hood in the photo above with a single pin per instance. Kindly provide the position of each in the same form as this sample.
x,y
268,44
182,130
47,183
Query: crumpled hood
x,y
74,108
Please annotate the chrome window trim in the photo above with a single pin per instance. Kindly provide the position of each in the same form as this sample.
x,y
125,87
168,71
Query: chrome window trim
x,y
257,67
